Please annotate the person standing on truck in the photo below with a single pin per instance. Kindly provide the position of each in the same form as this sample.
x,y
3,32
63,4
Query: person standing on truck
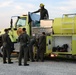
x,y
6,47
42,47
24,40
43,12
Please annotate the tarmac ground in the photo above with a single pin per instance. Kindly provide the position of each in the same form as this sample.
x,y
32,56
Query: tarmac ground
x,y
48,67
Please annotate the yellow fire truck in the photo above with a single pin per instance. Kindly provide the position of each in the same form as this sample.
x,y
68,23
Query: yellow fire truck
x,y
33,28
60,38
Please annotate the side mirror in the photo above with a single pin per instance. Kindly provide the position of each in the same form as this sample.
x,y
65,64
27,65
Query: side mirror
x,y
18,17
15,29
11,23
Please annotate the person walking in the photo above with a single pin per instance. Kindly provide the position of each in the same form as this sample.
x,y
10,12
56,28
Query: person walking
x,y
43,12
6,47
24,40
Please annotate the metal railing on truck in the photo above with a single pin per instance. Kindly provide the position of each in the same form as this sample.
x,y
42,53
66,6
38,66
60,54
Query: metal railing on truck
x,y
69,21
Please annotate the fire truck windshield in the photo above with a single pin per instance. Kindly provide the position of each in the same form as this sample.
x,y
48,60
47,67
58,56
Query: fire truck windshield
x,y
21,22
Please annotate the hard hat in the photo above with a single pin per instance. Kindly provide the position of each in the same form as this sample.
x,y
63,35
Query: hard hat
x,y
41,5
6,30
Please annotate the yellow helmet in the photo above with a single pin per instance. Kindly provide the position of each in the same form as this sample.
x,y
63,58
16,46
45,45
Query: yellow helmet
x,y
41,5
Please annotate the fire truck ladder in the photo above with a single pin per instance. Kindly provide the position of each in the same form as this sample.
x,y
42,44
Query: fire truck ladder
x,y
68,21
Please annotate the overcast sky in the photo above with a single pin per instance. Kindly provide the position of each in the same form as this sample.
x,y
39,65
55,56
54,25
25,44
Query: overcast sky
x,y
55,8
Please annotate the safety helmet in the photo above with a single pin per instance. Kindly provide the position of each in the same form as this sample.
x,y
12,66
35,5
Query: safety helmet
x,y
42,5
